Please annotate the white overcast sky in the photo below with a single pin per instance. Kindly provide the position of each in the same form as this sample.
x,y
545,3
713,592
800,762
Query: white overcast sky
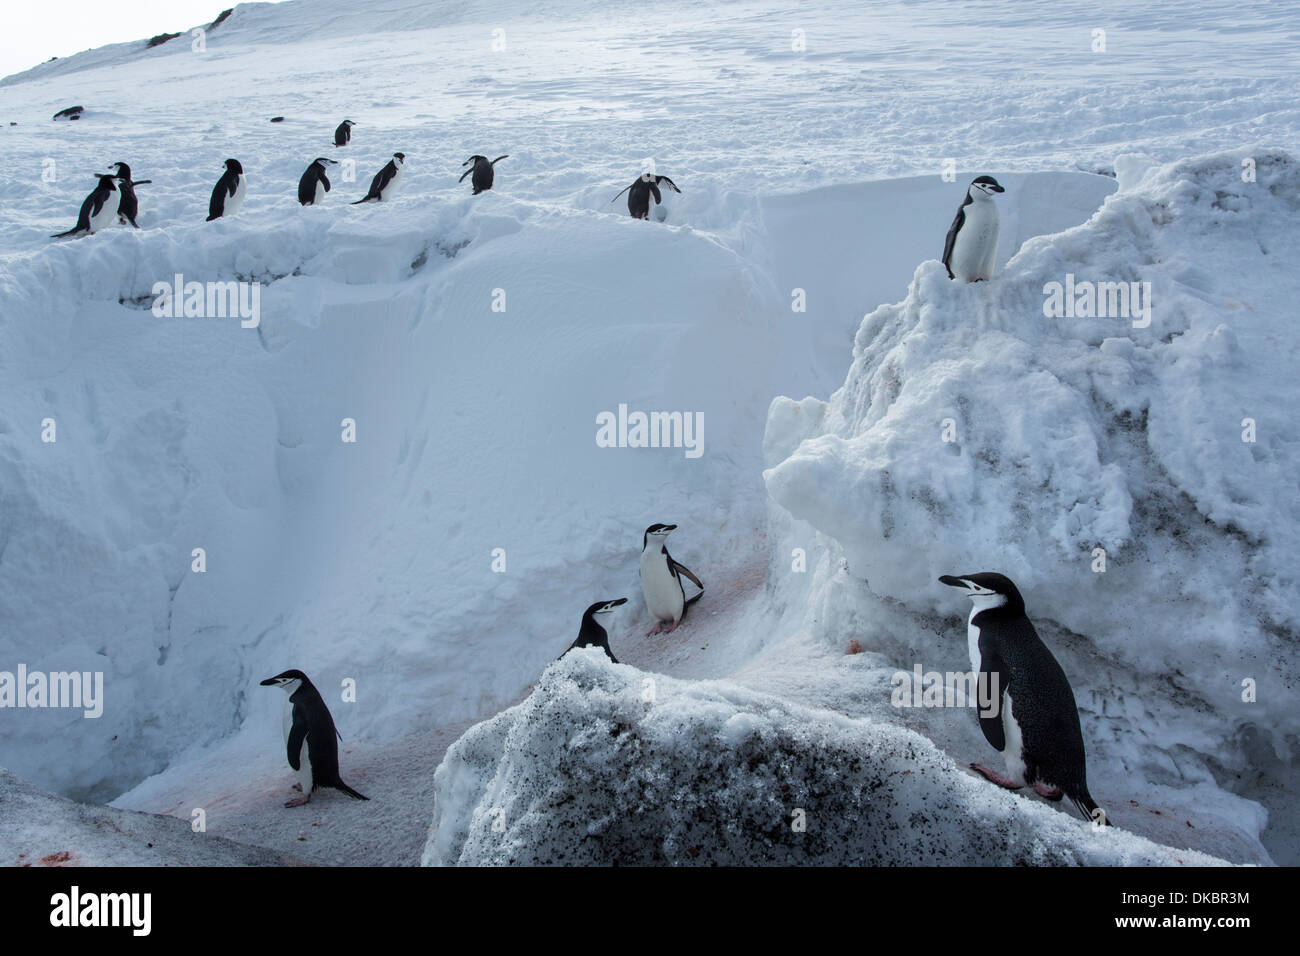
x,y
32,31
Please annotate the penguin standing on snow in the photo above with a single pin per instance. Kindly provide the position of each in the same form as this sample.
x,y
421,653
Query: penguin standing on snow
x,y
1026,706
384,185
98,211
661,580
343,135
309,732
314,183
592,633
645,186
482,170
128,206
228,193
971,250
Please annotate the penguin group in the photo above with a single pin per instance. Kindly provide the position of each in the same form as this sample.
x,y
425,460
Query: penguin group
x,y
1029,715
113,199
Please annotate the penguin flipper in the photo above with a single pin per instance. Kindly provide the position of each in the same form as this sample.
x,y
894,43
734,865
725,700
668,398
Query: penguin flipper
x,y
499,158
325,181
623,190
949,242
296,736
991,696
655,189
464,174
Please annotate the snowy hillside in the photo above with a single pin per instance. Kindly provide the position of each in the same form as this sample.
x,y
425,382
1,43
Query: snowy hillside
x,y
443,559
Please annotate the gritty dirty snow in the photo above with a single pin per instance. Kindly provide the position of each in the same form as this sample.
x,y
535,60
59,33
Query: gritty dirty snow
x,y
815,170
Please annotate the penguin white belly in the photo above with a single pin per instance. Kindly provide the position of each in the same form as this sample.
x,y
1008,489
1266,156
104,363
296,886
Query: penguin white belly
x,y
975,250
973,642
390,190
663,592
320,193
1015,749
234,202
108,214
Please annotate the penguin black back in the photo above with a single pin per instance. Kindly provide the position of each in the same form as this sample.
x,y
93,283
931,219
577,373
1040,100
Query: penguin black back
x,y
91,206
639,193
482,170
128,206
343,134
313,178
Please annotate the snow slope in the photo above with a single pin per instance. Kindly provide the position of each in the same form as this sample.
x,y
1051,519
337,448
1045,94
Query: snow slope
x,y
604,765
816,170
39,829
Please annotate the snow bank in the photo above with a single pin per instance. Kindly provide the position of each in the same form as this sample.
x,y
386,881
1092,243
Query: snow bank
x,y
974,433
587,770
40,829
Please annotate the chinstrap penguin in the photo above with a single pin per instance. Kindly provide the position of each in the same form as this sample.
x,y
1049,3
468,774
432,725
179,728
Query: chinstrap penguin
x,y
314,183
661,580
645,186
482,170
384,185
128,206
228,193
343,135
971,250
99,209
593,633
309,732
1031,717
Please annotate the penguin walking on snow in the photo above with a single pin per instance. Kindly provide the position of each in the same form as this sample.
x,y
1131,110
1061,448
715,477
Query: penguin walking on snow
x,y
593,633
482,170
128,206
661,580
645,186
343,135
309,732
228,193
971,250
384,185
99,209
1026,706
314,183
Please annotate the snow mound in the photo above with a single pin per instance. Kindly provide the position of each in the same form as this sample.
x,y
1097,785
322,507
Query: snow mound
x,y
40,829
974,432
605,764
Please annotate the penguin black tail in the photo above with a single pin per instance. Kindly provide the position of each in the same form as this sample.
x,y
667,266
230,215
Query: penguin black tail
x,y
340,785
212,218
60,235
1088,807
360,201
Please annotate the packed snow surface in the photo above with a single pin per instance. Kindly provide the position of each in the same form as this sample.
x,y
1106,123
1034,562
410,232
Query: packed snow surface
x,y
439,563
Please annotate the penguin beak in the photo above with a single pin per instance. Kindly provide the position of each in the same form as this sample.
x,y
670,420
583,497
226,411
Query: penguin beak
x,y
953,582
271,682
997,189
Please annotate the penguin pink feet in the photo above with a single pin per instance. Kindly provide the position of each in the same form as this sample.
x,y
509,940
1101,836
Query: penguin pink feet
x,y
298,801
659,625
672,627
995,777
1048,793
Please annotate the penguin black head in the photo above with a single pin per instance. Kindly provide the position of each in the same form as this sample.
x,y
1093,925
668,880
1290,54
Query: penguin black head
x,y
123,171
349,123
985,185
474,159
106,179
604,607
289,681
657,531
321,161
235,167
987,589
400,156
